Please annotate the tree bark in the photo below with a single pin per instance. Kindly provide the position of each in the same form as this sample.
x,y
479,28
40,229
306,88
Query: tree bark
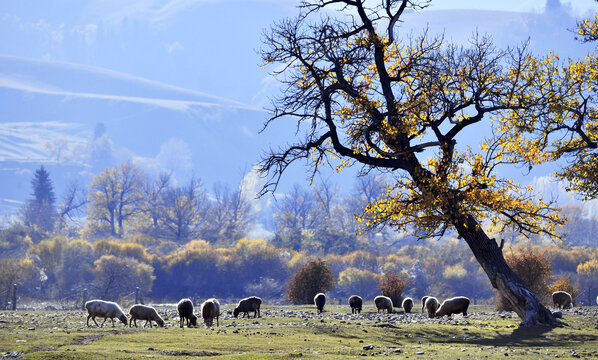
x,y
490,257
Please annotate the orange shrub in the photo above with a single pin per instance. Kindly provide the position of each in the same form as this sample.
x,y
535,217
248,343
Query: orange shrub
x,y
310,279
393,285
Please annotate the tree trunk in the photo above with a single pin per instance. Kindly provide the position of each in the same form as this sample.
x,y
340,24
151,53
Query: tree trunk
x,y
511,287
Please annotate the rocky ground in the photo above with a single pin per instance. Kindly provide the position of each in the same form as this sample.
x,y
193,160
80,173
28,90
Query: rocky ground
x,y
297,331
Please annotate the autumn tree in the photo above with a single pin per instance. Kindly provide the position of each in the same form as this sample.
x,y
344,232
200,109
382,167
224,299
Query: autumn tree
x,y
393,285
567,130
588,276
312,278
119,276
363,96
534,268
115,197
39,212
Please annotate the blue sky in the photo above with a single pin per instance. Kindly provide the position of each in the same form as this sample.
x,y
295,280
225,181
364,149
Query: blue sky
x,y
176,84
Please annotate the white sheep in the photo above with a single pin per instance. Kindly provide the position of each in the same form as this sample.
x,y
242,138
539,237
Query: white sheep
x,y
383,303
455,305
431,306
320,301
247,305
105,309
424,302
562,300
407,304
144,312
210,309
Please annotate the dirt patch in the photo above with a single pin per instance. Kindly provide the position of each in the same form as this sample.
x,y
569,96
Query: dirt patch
x,y
188,353
86,340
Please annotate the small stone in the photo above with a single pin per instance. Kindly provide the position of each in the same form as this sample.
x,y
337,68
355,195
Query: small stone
x,y
368,347
419,353
31,328
557,314
150,348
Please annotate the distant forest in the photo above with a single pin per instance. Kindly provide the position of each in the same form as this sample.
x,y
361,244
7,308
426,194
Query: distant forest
x,y
126,230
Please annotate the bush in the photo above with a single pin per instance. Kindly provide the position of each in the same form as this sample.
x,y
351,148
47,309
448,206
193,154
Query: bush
x,y
393,285
310,279
116,277
534,268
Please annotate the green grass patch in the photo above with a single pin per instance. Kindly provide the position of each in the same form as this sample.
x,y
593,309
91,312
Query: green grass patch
x,y
295,332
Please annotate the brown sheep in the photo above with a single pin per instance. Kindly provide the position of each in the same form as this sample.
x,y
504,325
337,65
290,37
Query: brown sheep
x,y
455,305
407,304
562,300
105,309
320,301
432,305
210,309
247,305
144,312
185,309
356,303
383,303
424,302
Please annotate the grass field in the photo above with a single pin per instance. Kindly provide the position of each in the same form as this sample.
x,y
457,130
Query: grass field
x,y
292,332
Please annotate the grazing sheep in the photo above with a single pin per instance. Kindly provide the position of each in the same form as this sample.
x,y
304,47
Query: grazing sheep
x,y
454,305
407,304
320,301
562,300
185,309
210,309
424,302
144,312
431,305
356,303
105,309
247,305
383,303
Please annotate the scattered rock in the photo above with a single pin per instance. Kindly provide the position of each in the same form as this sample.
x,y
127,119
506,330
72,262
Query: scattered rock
x,y
368,347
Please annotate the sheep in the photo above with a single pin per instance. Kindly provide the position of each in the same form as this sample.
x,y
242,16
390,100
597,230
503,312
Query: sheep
x,y
144,312
247,305
431,305
454,305
407,304
356,303
185,309
105,309
424,302
210,309
320,301
562,300
383,303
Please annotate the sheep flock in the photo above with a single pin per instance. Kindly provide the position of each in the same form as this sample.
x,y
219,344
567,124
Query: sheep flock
x,y
211,309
